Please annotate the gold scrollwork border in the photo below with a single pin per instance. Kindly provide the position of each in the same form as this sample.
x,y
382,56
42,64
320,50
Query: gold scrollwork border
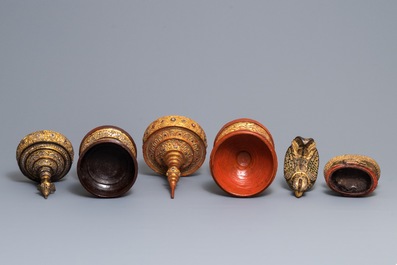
x,y
360,160
108,132
44,136
175,121
247,126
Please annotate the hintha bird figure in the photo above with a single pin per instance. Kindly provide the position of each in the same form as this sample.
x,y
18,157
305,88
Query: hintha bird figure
x,y
301,165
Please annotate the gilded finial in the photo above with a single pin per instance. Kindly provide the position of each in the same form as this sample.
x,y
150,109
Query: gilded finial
x,y
301,165
45,156
174,146
173,174
46,187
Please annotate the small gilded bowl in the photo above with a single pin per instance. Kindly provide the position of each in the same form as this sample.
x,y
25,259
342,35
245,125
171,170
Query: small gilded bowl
x,y
243,161
107,165
352,175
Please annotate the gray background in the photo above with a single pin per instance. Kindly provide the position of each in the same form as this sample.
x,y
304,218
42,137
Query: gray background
x,y
321,69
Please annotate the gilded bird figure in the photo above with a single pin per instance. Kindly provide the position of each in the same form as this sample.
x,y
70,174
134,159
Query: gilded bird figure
x,y
301,165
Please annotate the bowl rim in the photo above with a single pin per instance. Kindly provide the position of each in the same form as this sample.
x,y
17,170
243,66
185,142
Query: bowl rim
x,y
238,120
106,127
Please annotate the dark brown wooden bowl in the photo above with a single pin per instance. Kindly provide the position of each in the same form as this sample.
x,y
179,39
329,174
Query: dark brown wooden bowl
x,y
243,161
107,165
352,175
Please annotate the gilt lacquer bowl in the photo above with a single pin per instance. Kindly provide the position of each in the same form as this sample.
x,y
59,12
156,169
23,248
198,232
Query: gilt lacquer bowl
x,y
107,165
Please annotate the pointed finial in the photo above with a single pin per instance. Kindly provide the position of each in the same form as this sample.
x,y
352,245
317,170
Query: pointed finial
x,y
46,188
173,174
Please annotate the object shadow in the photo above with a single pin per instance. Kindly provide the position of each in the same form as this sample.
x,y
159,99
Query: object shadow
x,y
212,187
78,189
144,169
284,183
328,191
17,176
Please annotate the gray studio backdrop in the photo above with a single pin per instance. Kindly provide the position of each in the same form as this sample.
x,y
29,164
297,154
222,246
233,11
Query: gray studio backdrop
x,y
321,69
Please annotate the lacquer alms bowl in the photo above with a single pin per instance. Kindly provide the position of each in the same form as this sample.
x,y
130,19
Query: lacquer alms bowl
x,y
107,165
45,156
243,161
174,146
352,175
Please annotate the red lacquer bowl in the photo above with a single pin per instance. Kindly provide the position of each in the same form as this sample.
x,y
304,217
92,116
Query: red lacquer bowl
x,y
243,161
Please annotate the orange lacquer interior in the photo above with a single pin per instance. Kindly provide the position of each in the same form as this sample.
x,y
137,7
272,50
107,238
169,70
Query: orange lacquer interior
x,y
243,164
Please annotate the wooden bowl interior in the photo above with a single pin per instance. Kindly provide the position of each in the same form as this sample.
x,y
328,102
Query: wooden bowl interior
x,y
107,170
351,180
243,165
